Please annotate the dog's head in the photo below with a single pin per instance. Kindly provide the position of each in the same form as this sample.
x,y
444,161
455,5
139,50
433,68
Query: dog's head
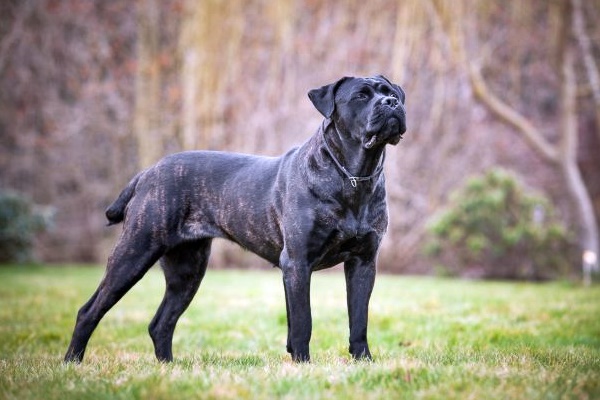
x,y
368,110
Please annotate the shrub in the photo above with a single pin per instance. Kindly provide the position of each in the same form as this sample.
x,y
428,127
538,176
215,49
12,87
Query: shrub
x,y
20,220
494,227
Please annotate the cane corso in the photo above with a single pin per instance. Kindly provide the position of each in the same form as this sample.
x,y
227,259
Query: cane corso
x,y
316,206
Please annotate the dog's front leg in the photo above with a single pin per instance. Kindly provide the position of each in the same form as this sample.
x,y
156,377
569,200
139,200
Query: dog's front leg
x,y
360,279
296,282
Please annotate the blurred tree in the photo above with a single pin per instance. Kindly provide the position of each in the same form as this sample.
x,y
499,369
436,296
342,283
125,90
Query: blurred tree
x,y
87,85
589,61
64,112
562,154
210,39
146,120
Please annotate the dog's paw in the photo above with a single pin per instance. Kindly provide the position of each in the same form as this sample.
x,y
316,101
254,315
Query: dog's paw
x,y
301,357
361,353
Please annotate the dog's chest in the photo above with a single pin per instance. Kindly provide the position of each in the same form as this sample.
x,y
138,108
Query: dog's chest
x,y
345,224
343,234
350,224
353,212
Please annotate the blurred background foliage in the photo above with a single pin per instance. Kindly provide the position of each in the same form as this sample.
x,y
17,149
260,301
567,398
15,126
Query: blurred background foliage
x,y
495,227
20,221
93,90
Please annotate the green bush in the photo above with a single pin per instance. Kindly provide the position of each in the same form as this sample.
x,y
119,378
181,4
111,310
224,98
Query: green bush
x,y
20,220
495,228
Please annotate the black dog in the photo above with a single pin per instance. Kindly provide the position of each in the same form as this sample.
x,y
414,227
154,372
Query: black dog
x,y
316,206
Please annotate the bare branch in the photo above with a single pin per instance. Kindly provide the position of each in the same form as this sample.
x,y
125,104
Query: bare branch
x,y
499,108
510,116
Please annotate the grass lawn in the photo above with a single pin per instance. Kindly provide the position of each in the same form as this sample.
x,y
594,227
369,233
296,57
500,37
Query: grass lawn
x,y
431,338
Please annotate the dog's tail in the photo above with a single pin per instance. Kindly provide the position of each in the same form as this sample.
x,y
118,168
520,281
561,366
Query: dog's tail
x,y
115,213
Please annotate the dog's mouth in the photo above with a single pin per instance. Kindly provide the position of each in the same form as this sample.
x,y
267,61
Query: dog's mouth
x,y
390,131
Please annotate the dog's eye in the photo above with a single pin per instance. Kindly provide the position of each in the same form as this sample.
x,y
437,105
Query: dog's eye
x,y
361,96
385,90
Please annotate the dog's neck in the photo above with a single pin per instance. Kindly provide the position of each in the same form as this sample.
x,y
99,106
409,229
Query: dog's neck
x,y
353,160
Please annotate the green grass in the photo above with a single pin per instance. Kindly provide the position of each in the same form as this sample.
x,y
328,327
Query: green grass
x,y
431,338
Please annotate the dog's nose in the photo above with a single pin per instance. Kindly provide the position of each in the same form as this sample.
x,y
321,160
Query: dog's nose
x,y
390,101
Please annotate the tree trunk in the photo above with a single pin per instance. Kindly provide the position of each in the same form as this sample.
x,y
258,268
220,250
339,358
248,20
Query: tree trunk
x,y
189,114
147,85
589,61
568,157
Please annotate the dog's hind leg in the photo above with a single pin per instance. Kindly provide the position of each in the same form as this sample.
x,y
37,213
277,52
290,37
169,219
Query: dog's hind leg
x,y
184,267
129,261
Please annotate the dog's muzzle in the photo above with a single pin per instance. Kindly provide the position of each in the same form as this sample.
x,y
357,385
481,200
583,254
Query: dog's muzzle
x,y
387,123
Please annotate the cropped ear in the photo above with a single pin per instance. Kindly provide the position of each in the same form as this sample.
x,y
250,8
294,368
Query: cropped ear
x,y
398,88
323,98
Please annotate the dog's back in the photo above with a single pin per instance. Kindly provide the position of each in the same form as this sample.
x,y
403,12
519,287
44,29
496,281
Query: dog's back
x,y
197,194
